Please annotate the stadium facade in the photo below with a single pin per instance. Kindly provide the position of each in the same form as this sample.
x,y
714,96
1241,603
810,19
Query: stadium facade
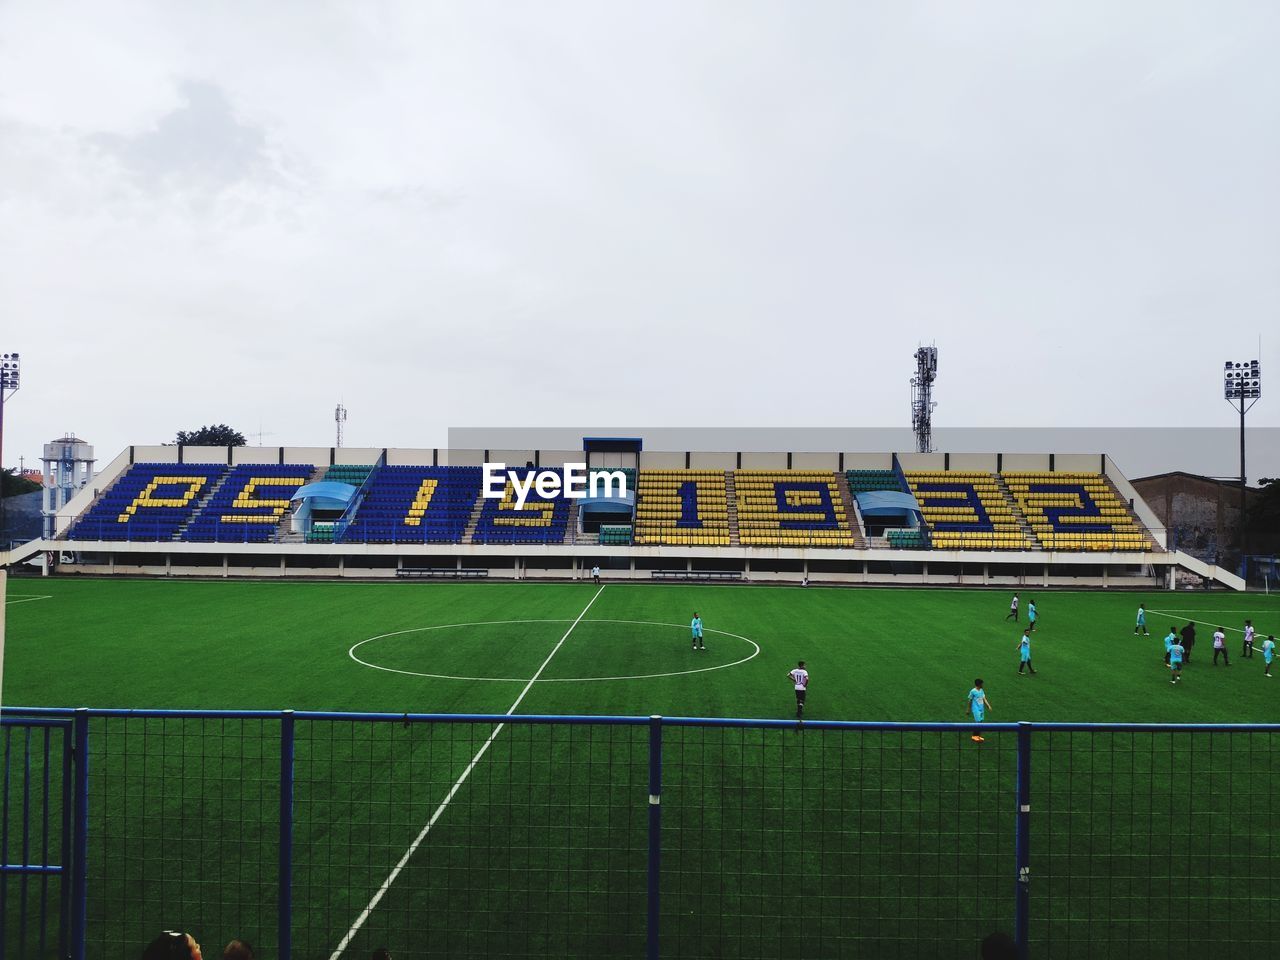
x,y
1052,519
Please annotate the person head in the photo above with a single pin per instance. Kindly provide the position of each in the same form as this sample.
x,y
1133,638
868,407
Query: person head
x,y
1220,630
1271,638
238,950
999,946
695,614
978,683
801,664
172,945
1248,623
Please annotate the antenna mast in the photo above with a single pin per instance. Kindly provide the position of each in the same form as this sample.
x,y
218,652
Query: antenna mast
x,y
922,404
339,418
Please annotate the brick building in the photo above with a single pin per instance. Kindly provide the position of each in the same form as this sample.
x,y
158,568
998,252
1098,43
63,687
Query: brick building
x,y
1201,514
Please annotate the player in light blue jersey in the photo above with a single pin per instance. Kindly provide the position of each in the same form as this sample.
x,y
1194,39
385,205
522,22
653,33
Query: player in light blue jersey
x,y
1170,639
695,629
1268,651
978,705
1142,621
1176,652
1033,615
1024,653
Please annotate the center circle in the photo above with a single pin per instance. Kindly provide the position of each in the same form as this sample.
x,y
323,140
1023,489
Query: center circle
x,y
755,651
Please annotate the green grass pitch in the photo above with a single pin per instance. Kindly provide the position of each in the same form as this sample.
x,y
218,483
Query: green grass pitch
x,y
775,843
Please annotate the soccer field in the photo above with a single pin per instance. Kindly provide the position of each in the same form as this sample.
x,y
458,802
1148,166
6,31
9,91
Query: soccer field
x,y
776,843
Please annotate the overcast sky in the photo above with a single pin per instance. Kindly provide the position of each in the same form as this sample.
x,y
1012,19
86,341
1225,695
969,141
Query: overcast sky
x,y
729,214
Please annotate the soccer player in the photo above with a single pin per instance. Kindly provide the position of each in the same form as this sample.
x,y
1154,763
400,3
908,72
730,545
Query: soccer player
x,y
1268,651
595,574
1024,650
1188,639
1142,621
1031,614
1249,634
800,677
1170,639
1220,647
1013,609
695,628
1175,661
978,705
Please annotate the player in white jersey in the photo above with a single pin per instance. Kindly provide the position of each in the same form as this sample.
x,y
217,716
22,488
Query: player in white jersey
x,y
1248,640
1013,609
800,677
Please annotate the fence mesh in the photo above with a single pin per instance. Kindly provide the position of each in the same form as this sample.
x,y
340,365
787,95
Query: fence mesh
x,y
1155,844
183,816
474,838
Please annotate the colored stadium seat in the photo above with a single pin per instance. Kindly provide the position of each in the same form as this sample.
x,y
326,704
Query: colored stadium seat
x,y
539,521
967,511
1077,511
791,508
407,504
249,504
682,508
150,501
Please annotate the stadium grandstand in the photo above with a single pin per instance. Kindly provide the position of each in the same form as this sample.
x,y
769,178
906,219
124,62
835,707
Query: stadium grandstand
x,y
837,517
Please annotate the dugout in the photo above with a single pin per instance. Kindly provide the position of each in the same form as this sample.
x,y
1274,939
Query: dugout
x,y
884,510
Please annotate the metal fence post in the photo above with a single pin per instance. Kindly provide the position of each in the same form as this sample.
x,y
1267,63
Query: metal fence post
x,y
284,918
80,837
1022,843
655,833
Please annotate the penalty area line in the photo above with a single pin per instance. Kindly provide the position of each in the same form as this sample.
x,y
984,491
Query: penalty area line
x,y
453,791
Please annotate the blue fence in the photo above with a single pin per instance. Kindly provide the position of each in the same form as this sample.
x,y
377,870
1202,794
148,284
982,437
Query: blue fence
x,y
318,834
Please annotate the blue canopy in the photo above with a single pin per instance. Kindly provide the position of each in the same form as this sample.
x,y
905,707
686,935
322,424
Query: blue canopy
x,y
885,503
326,495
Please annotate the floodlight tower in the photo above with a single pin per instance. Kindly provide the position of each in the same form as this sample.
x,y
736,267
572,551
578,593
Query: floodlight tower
x,y
339,418
10,380
1242,388
922,405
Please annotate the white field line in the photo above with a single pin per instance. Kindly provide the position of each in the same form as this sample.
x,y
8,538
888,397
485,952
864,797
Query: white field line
x,y
22,598
422,835
1203,623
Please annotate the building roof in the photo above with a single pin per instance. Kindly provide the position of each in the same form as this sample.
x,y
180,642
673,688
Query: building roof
x,y
1199,477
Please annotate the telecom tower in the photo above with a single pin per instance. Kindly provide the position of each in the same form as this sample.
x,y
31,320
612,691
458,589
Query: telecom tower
x,y
922,405
339,418
68,467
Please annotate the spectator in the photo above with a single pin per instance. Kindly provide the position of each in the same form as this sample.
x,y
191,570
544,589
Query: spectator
x,y
172,945
1188,639
999,946
238,950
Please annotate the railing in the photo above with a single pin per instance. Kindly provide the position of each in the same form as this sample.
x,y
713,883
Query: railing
x,y
319,834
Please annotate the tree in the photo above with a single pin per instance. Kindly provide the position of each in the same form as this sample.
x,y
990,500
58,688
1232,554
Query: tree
x,y
218,435
11,485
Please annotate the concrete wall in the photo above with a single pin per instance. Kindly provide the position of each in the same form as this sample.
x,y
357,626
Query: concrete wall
x,y
974,462
1016,462
155,454
661,460
363,456
405,457
762,461
815,461
318,456
920,462
712,461
1078,463
868,461
211,455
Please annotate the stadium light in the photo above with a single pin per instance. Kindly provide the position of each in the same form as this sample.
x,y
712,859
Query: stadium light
x,y
10,379
1242,388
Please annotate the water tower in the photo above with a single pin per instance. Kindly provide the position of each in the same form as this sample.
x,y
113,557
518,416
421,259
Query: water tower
x,y
68,467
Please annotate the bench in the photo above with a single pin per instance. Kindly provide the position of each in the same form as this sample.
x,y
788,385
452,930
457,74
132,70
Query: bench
x,y
697,574
451,573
